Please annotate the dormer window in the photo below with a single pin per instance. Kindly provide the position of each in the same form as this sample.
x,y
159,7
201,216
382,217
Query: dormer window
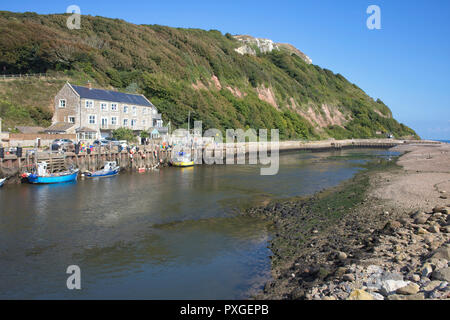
x,y
62,103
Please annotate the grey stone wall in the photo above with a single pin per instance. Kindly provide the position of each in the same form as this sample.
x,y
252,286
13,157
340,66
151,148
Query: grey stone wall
x,y
72,105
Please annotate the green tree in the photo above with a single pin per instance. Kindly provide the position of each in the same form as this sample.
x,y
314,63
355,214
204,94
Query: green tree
x,y
144,134
124,134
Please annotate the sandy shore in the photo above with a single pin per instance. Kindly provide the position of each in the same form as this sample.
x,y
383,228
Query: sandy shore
x,y
382,236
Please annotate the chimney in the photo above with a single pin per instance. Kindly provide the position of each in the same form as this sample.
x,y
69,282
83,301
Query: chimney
x,y
89,85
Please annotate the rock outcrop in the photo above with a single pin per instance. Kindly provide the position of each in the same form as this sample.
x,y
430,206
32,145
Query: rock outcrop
x,y
252,45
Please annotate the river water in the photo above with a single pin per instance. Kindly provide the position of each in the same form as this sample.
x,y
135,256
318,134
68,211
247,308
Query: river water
x,y
169,234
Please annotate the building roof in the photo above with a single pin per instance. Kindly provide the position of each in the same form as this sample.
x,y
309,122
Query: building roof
x,y
85,129
112,96
27,129
59,127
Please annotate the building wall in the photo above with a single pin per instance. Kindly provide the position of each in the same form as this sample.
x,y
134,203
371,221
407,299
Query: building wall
x,y
72,105
119,116
76,107
29,139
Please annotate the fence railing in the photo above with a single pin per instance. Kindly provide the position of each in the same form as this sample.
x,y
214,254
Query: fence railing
x,y
28,75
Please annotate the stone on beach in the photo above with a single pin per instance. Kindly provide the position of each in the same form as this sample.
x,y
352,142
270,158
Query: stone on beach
x,y
348,277
391,286
427,269
342,256
360,295
410,289
442,253
442,274
418,296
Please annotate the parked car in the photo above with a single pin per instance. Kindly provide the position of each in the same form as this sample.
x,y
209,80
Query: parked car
x,y
62,144
101,143
123,144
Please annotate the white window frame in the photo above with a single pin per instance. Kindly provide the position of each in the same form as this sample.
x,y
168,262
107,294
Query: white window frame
x,y
62,100
89,102
101,123
125,108
145,110
133,123
125,122
116,107
134,110
89,118
104,104
73,117
144,123
115,121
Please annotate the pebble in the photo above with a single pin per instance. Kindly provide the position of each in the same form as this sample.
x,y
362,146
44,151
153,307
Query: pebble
x,y
415,278
418,296
431,285
410,289
391,286
421,230
421,219
360,295
438,209
427,269
342,256
348,277
442,274
434,229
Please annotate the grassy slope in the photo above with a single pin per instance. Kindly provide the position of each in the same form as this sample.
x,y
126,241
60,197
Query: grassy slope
x,y
164,62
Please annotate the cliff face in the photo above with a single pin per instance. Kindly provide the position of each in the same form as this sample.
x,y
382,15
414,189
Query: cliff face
x,y
225,81
252,46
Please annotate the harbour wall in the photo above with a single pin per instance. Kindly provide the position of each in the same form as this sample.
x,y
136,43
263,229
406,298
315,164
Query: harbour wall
x,y
152,156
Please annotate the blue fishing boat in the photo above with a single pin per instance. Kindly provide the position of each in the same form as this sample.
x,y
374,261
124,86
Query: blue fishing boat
x,y
42,176
2,181
110,169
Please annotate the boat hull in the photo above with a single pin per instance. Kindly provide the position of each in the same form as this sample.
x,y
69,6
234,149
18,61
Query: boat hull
x,y
2,182
53,179
183,164
100,174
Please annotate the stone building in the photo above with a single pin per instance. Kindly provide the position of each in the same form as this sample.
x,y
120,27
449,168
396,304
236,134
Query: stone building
x,y
95,113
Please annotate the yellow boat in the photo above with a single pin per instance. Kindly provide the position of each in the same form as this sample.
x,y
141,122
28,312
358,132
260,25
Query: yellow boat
x,y
183,160
183,163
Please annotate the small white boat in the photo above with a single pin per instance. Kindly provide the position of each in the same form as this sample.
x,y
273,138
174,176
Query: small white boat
x,y
2,181
110,169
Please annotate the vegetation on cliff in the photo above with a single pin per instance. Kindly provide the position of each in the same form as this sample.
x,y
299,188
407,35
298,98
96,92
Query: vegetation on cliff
x,y
183,70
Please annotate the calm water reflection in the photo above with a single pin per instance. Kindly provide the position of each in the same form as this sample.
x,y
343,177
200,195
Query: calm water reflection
x,y
171,234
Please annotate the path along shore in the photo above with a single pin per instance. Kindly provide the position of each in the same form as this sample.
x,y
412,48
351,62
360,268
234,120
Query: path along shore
x,y
384,235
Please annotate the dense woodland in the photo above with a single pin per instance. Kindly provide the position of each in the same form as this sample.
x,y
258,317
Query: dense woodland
x,y
164,63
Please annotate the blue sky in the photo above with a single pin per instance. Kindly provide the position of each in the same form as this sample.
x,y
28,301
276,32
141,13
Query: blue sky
x,y
406,63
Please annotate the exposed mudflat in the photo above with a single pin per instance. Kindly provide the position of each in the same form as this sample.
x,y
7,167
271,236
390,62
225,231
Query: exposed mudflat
x,y
382,235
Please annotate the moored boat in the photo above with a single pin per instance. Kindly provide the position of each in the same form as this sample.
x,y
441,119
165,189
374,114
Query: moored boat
x,y
110,169
2,182
42,176
182,159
